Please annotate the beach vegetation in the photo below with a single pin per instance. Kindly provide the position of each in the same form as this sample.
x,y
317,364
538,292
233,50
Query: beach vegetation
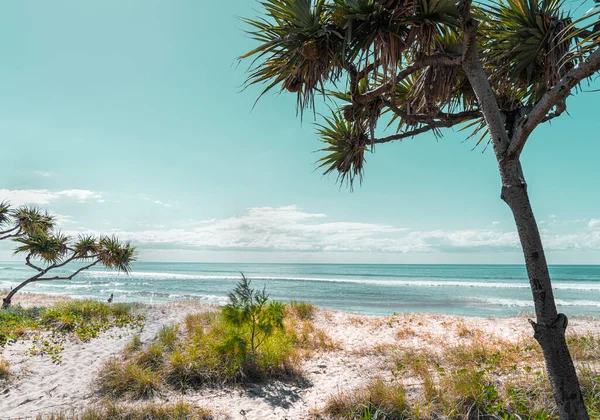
x,y
5,372
50,327
255,317
378,400
391,70
251,339
129,379
109,410
303,310
48,252
482,377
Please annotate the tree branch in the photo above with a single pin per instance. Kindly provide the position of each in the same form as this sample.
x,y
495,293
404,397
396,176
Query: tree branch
x,y
11,235
555,97
30,264
432,126
471,64
68,277
432,118
68,260
9,230
431,60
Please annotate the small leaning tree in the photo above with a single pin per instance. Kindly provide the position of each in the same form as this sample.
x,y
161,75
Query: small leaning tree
x,y
501,68
47,250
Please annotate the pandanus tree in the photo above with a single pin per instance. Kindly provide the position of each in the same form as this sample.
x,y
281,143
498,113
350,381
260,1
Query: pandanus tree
x,y
50,253
499,68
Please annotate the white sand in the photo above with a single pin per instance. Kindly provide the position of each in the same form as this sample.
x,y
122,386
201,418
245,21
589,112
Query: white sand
x,y
43,387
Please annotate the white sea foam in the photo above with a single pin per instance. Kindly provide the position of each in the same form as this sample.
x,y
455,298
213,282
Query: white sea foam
x,y
387,282
529,303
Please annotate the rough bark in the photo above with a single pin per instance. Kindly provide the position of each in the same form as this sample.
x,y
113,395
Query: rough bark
x,y
506,133
7,300
550,326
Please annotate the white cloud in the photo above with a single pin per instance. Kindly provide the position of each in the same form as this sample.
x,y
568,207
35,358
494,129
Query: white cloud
x,y
160,203
80,195
20,197
594,223
43,173
41,197
288,229
495,223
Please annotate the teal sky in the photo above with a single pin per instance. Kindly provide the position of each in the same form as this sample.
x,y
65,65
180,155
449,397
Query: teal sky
x,y
128,117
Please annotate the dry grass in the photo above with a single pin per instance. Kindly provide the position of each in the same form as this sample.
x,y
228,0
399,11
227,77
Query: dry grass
x,y
302,310
379,399
405,332
5,372
584,347
309,338
482,377
110,411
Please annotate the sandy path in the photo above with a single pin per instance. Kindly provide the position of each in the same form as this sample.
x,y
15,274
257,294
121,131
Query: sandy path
x,y
42,386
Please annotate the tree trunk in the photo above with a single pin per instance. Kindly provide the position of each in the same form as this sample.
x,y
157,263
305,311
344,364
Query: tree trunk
x,y
550,326
6,302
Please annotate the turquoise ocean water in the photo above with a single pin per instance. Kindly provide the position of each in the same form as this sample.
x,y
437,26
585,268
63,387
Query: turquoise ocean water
x,y
472,290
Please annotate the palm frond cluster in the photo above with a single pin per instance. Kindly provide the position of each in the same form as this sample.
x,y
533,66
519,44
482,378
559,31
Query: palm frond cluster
x,y
531,44
362,54
38,239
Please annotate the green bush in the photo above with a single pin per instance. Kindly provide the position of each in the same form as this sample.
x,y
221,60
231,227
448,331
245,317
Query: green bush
x,y
246,341
255,318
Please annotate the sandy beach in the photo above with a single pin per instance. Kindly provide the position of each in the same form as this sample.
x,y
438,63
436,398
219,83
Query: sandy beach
x,y
39,386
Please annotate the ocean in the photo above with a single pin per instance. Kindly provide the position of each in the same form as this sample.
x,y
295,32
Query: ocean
x,y
376,289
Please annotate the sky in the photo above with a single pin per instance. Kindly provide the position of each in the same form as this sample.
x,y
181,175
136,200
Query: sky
x,y
129,118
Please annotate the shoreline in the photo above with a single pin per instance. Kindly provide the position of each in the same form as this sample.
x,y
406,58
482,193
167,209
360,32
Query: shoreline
x,y
44,299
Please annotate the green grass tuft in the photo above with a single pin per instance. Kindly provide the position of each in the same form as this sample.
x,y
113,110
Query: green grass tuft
x,y
378,400
128,379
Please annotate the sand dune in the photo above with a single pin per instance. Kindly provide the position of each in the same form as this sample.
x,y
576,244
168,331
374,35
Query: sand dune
x,y
42,387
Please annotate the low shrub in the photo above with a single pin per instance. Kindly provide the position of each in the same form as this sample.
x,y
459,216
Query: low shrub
x,y
249,340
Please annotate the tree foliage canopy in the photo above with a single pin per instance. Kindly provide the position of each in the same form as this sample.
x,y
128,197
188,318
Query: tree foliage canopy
x,y
400,61
46,248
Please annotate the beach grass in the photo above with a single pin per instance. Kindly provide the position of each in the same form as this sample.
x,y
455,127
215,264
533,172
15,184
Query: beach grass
x,y
480,377
302,310
5,372
50,327
84,319
108,410
207,351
